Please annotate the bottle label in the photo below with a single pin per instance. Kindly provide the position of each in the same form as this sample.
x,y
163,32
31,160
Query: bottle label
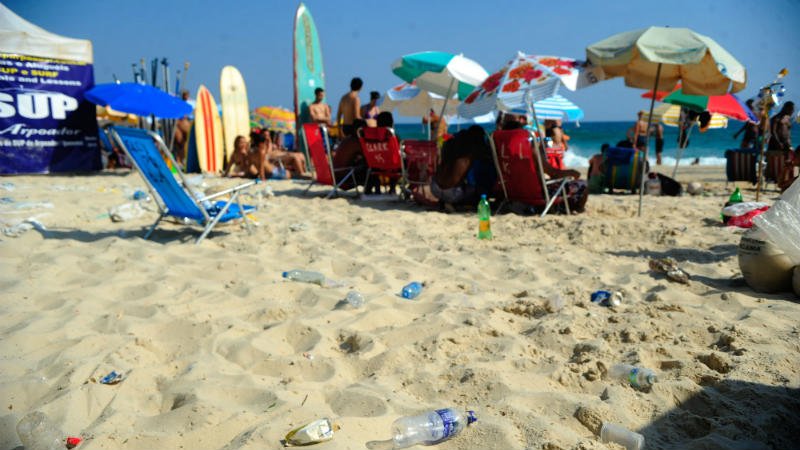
x,y
483,226
449,421
633,377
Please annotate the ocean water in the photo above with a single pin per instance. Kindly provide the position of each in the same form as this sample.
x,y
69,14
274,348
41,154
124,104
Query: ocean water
x,y
586,140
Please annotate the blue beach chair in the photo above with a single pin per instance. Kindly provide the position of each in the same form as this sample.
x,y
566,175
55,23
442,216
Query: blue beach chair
x,y
623,168
150,156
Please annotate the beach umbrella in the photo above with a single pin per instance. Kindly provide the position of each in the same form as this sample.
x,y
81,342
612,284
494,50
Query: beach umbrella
x,y
407,99
140,99
728,104
558,107
669,115
522,82
657,58
274,118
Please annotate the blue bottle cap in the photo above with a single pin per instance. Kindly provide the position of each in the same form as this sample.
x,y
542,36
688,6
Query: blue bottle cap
x,y
471,418
483,196
285,274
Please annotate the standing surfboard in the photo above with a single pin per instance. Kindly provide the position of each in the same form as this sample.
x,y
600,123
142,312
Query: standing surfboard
x,y
235,111
208,132
308,71
190,147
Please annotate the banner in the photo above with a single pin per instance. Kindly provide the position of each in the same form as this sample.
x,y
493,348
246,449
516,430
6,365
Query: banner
x,y
45,123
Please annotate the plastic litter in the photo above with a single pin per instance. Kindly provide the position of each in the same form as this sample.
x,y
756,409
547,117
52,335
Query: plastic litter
x,y
38,432
112,378
6,200
606,298
431,427
355,299
411,290
8,186
320,430
298,226
307,276
140,195
636,376
669,267
23,227
73,441
618,434
33,205
782,223
126,211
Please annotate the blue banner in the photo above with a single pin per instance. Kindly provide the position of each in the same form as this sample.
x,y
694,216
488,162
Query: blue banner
x,y
45,123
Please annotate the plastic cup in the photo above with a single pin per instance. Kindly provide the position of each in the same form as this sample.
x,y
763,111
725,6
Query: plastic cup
x,y
622,436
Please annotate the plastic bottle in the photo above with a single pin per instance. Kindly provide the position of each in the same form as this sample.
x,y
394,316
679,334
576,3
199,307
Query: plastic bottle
x,y
305,276
140,195
636,376
484,217
618,434
430,428
653,184
355,299
411,290
736,197
37,432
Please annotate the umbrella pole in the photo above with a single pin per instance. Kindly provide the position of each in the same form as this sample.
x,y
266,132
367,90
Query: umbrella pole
x,y
444,107
765,131
649,123
680,150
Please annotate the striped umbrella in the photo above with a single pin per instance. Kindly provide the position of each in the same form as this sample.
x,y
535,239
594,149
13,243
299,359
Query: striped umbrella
x,y
557,107
669,115
409,100
274,119
441,73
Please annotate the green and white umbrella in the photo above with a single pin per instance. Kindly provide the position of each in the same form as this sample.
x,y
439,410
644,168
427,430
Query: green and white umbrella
x,y
440,73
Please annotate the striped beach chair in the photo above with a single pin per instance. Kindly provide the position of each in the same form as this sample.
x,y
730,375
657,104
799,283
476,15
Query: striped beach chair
x,y
741,165
623,168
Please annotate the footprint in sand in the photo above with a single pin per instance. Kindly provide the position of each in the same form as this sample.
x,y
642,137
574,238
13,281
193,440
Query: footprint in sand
x,y
352,403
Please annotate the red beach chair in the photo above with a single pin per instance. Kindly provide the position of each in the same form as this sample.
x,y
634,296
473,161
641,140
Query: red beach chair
x,y
316,138
382,153
520,171
555,156
422,157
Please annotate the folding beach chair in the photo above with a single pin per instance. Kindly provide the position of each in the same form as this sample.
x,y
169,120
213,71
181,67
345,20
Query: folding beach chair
x,y
172,193
316,138
740,165
555,156
113,153
383,154
422,157
623,168
519,169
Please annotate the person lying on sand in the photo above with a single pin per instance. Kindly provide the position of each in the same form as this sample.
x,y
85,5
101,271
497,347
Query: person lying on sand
x,y
294,161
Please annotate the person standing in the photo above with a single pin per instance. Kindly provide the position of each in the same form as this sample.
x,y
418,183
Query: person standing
x,y
350,108
781,129
319,110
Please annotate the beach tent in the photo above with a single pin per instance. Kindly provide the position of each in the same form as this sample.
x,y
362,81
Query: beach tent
x,y
45,123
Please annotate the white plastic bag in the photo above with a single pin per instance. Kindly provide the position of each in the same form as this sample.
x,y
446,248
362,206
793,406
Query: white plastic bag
x,y
782,223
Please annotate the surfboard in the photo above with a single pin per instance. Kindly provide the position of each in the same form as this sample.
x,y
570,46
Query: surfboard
x,y
208,132
308,71
235,110
190,147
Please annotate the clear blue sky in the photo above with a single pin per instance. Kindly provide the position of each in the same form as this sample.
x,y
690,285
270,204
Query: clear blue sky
x,y
362,38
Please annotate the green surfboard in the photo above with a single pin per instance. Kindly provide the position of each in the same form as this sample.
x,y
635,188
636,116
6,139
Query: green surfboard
x,y
308,71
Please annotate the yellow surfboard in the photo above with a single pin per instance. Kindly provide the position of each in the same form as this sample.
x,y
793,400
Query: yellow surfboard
x,y
208,132
235,110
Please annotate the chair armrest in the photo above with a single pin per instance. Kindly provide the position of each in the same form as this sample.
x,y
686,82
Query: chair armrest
x,y
230,190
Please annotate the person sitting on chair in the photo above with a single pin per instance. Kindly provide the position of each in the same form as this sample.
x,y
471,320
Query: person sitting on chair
x,y
294,161
450,184
348,154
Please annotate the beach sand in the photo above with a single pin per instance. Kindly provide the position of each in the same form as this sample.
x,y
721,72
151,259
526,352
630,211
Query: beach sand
x,y
221,353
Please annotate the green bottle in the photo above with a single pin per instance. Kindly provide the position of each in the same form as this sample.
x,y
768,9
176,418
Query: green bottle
x,y
484,216
736,197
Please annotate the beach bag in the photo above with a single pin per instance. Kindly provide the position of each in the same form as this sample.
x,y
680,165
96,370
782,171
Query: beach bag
x,y
669,186
765,267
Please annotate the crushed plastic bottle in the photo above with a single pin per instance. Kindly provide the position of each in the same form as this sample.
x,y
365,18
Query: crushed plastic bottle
x,y
307,276
431,427
37,432
411,290
636,376
606,298
355,299
126,211
140,195
620,435
312,433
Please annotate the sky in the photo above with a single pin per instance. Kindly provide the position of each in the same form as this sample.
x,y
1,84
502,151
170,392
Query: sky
x,y
362,38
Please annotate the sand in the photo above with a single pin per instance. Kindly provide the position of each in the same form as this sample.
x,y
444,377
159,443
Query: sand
x,y
221,353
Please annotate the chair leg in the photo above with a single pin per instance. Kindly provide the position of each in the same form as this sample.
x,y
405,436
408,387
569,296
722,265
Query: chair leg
x,y
153,227
309,187
555,196
210,225
246,220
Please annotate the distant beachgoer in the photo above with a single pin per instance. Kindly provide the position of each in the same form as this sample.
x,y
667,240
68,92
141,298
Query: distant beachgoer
x,y
781,127
348,152
319,110
639,136
276,154
450,184
350,108
250,163
696,162
370,111
183,127
750,129
384,119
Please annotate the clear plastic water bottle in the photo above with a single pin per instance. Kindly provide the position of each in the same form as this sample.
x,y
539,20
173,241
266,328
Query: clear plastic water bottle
x,y
636,376
355,299
430,428
305,276
616,433
37,432
484,219
653,184
411,290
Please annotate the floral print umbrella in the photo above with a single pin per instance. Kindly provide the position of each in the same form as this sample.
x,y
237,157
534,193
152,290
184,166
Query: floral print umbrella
x,y
524,80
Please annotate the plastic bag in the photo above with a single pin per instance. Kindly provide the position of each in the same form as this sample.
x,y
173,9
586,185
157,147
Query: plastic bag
x,y
746,220
782,223
740,209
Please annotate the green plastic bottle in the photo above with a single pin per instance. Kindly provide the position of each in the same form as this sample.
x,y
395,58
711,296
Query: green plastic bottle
x,y
484,219
736,197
